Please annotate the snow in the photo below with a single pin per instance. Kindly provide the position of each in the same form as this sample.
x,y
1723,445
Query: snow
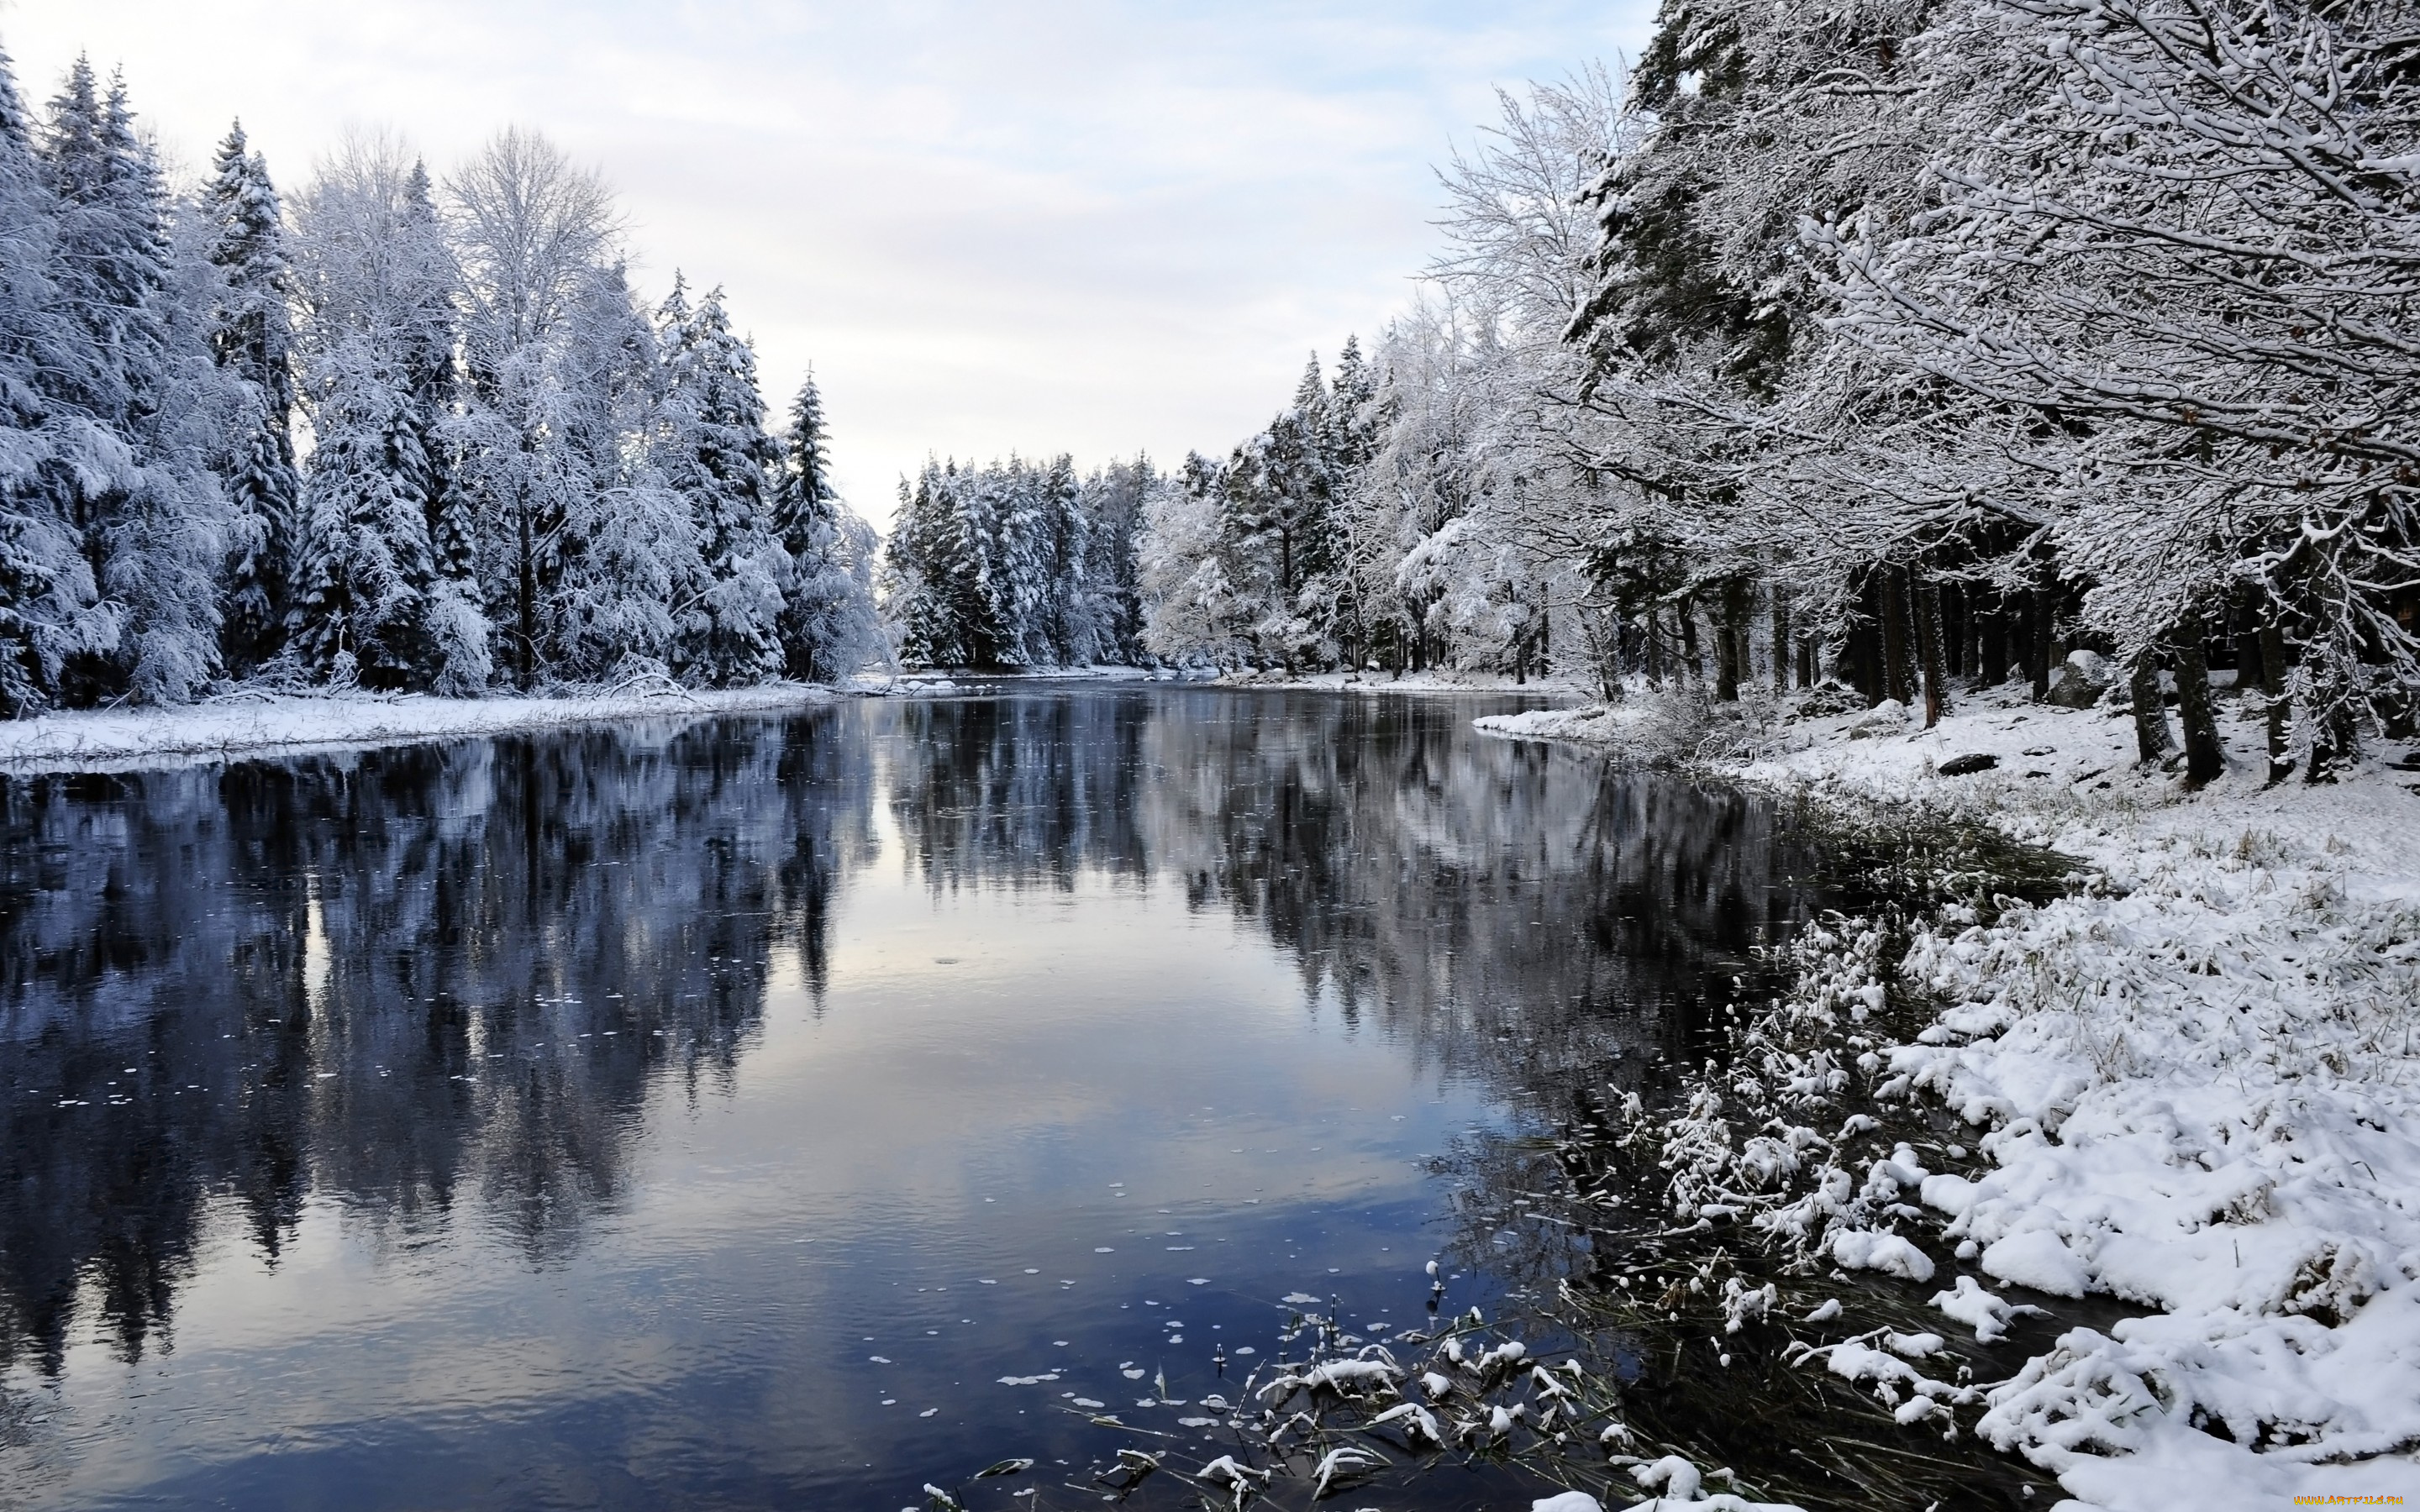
x,y
138,739
1384,682
2194,1080
1856,1250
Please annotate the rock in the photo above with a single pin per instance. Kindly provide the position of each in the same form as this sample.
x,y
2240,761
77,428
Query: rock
x,y
1883,718
1980,761
2081,679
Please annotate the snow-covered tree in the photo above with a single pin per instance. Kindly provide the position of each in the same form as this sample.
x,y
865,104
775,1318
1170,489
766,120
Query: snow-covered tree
x,y
375,283
151,524
252,334
829,626
50,609
712,450
533,234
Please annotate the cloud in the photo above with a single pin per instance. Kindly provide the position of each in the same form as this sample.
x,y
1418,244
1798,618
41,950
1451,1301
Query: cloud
x,y
1085,226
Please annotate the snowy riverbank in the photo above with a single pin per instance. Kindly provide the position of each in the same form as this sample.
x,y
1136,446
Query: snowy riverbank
x,y
1432,682
2194,1083
120,740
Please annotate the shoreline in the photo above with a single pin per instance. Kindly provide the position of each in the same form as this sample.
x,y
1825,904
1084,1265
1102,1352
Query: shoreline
x,y
2192,1081
243,728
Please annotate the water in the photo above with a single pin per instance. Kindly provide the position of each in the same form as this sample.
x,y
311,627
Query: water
x,y
711,1114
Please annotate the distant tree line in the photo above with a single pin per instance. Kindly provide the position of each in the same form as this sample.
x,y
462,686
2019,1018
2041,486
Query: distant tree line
x,y
400,435
1915,346
1017,564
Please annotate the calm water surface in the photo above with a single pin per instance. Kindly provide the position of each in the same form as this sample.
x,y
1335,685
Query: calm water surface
x,y
712,1114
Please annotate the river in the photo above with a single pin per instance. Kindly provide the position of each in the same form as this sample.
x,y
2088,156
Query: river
x,y
788,1111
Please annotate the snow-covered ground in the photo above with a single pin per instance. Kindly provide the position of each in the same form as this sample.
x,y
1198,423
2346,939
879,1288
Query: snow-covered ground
x,y
1432,682
2196,1082
121,740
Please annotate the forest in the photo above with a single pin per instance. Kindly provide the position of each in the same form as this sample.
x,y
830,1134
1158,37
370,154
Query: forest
x,y
1909,346
1915,346
396,434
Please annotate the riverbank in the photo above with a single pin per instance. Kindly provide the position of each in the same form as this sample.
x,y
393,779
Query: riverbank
x,y
1379,681
262,724
2193,1078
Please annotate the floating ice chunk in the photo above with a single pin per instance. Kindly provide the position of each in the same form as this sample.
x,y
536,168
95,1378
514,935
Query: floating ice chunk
x,y
1567,1502
1826,1311
1299,1298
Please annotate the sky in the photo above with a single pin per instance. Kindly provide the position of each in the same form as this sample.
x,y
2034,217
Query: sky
x,y
1087,227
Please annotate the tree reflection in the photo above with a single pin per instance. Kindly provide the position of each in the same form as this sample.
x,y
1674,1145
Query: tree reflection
x,y
369,978
400,982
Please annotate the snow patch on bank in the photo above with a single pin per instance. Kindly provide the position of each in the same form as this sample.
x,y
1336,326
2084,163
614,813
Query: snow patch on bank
x,y
132,739
2197,1083
1380,682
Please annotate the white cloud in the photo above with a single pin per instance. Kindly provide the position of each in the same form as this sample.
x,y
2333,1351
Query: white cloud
x,y
1083,226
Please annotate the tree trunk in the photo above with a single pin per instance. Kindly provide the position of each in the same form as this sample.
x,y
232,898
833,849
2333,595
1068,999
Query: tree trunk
x,y
2020,621
2243,619
2272,699
2152,741
1863,650
2045,607
1807,654
1691,662
1991,667
1895,647
1727,636
1780,639
1928,644
2205,758
525,590
1955,641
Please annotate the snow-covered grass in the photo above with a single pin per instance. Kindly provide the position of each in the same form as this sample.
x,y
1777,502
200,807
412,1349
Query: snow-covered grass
x,y
1429,682
130,739
2195,1083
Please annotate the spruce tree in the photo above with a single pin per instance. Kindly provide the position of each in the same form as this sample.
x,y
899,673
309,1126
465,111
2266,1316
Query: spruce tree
x,y
251,337
150,526
49,608
459,659
367,570
825,626
714,451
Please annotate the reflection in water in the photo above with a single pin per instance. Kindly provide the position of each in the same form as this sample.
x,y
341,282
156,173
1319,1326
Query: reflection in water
x,y
457,990
374,977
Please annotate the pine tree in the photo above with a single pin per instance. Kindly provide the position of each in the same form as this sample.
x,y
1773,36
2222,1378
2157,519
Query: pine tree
x,y
377,285
827,624
623,549
151,526
251,338
49,606
460,660
367,570
714,453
